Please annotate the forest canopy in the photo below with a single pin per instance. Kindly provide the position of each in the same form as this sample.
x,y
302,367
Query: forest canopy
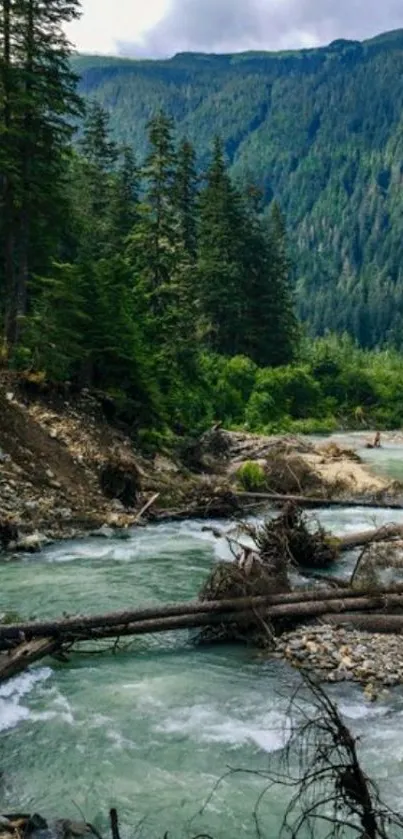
x,y
165,284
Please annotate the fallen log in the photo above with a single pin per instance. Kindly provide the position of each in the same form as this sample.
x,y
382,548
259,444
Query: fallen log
x,y
309,501
268,613
111,626
369,537
25,654
373,622
79,623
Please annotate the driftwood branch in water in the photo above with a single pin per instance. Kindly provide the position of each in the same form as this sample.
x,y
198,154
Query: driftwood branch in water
x,y
144,509
369,537
309,501
25,654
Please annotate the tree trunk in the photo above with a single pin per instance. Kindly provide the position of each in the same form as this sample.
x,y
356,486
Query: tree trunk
x,y
313,502
373,622
27,155
314,602
6,185
369,537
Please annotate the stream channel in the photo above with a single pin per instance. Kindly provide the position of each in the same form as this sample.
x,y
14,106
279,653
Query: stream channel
x,y
152,729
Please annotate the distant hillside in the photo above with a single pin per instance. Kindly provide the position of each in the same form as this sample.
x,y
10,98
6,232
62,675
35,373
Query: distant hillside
x,y
319,129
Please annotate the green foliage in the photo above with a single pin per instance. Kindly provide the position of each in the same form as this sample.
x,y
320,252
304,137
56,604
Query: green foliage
x,y
171,293
320,130
280,392
38,103
251,477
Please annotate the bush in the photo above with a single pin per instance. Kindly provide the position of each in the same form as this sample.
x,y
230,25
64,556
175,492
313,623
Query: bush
x,y
252,477
283,392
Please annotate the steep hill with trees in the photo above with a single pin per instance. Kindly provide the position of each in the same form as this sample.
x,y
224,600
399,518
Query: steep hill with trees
x,y
320,130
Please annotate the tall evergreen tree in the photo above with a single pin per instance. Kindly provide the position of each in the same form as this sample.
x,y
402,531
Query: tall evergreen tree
x,y
40,101
161,222
124,208
221,232
284,331
269,327
185,196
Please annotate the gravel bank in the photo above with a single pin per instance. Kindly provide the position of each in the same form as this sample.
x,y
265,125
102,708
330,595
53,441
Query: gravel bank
x,y
337,655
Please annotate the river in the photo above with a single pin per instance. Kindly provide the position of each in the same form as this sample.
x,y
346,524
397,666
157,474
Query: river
x,y
152,729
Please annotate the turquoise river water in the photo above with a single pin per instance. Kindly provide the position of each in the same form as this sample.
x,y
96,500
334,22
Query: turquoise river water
x,y
152,729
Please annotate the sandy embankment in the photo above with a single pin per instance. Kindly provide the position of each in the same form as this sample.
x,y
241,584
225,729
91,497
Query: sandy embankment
x,y
339,469
353,475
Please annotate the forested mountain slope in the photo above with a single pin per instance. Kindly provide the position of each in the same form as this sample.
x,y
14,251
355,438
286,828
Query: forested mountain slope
x,y
322,131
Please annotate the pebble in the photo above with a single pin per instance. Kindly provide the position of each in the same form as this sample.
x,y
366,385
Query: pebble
x,y
339,655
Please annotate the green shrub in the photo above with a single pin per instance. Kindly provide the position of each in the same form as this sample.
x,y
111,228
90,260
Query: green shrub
x,y
283,392
252,477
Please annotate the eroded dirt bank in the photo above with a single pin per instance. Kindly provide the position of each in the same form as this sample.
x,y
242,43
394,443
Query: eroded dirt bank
x,y
65,470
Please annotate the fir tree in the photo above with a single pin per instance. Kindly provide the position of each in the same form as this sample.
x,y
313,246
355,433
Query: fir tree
x,y
221,281
185,196
40,101
124,209
161,220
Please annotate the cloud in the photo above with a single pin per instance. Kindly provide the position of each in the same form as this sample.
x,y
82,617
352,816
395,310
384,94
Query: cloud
x,y
234,25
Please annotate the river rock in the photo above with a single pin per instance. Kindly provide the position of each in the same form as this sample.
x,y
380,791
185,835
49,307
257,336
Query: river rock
x,y
373,660
103,532
32,543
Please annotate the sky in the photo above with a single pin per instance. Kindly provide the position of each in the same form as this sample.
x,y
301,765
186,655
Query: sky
x,y
161,28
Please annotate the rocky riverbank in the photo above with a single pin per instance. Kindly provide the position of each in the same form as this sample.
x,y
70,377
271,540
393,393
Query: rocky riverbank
x,y
67,470
336,654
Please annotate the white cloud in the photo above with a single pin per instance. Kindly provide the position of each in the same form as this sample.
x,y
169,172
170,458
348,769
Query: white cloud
x,y
104,23
162,27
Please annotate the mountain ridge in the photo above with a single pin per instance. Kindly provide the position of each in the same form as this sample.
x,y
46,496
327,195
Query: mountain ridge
x,y
320,130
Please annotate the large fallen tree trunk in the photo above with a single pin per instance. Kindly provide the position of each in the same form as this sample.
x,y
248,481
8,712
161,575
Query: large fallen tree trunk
x,y
114,620
310,501
308,609
178,616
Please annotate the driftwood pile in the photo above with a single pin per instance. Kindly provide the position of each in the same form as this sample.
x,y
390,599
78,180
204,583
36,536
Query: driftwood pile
x,y
250,598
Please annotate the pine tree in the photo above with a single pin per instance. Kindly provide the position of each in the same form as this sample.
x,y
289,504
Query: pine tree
x,y
284,331
40,99
94,181
95,144
269,329
185,196
162,266
220,270
161,219
124,209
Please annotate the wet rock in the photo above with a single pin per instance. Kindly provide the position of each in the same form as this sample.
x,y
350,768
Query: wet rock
x,y
373,660
32,543
68,829
103,532
8,533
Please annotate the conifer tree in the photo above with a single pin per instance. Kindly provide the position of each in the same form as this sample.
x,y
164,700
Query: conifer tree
x,y
40,100
124,209
185,196
284,331
160,221
221,232
269,330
